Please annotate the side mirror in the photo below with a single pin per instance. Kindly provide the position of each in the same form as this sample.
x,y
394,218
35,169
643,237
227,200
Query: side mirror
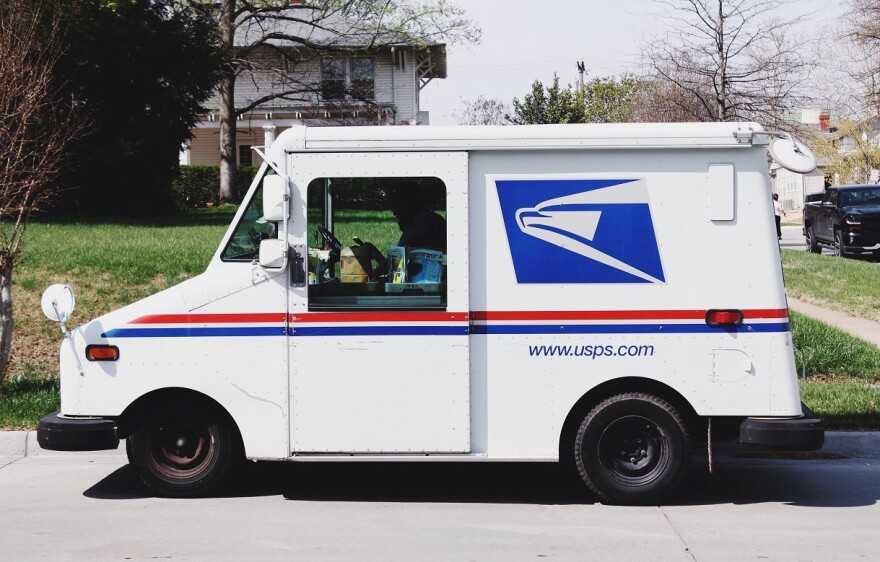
x,y
274,198
58,302
273,253
793,155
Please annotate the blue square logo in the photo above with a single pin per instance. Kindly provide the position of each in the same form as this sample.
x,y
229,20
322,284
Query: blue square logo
x,y
580,231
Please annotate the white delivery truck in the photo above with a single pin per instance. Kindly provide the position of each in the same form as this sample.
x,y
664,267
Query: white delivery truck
x,y
607,296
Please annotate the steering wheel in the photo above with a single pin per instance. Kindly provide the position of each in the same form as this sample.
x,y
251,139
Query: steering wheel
x,y
331,240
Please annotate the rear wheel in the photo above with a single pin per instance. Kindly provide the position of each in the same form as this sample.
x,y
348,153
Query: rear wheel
x,y
185,450
812,244
632,449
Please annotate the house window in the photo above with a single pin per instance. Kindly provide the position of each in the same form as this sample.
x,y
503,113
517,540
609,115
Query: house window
x,y
355,75
245,155
362,78
333,79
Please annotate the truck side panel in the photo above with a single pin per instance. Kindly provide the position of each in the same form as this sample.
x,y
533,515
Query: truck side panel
x,y
544,335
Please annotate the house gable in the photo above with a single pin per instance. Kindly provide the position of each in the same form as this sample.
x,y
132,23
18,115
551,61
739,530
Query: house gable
x,y
399,72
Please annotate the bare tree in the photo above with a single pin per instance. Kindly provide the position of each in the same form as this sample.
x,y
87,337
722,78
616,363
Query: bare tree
x,y
730,59
861,28
662,101
277,36
482,111
34,129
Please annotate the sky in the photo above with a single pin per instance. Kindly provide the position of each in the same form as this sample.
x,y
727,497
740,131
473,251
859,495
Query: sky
x,y
528,40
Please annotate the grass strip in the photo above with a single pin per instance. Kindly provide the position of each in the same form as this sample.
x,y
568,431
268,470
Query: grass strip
x,y
822,349
849,285
844,402
24,400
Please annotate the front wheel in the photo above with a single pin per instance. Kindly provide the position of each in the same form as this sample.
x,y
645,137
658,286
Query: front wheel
x,y
632,449
839,248
185,450
812,244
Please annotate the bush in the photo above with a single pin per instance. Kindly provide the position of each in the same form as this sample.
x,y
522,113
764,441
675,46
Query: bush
x,y
198,186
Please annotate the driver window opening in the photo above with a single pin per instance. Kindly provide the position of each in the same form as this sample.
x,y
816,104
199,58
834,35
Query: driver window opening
x,y
377,243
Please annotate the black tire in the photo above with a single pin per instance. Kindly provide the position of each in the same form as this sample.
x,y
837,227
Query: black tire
x,y
812,244
185,450
632,449
839,248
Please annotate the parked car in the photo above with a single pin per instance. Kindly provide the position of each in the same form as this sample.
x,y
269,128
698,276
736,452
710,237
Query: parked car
x,y
847,220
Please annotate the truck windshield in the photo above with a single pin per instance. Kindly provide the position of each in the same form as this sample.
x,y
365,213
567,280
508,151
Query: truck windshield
x,y
867,196
244,245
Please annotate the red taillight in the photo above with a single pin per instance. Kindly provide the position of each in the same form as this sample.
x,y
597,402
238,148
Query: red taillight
x,y
102,353
724,317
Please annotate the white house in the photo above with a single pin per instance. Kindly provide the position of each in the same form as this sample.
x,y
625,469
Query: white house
x,y
793,188
351,83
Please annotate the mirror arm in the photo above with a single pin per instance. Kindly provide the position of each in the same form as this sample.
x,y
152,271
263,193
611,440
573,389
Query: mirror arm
x,y
68,337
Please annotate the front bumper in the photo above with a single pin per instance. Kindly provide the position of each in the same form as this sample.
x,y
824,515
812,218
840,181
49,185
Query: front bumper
x,y
856,241
58,433
805,433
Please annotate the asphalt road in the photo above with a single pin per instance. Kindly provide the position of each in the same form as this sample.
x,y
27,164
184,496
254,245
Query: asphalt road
x,y
74,506
793,239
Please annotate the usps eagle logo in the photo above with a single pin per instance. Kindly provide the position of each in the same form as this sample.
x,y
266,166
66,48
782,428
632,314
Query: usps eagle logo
x,y
580,231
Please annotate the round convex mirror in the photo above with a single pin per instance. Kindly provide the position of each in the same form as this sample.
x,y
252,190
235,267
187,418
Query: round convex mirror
x,y
58,302
792,155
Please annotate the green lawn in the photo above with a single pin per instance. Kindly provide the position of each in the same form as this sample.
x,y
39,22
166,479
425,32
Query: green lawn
x,y
112,264
844,284
842,371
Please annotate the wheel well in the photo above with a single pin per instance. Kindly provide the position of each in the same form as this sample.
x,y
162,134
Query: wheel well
x,y
127,422
619,386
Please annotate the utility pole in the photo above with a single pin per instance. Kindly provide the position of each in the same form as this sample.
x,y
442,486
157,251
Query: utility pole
x,y
581,71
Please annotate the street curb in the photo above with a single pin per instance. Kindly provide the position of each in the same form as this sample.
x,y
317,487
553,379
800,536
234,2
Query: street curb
x,y
853,444
850,444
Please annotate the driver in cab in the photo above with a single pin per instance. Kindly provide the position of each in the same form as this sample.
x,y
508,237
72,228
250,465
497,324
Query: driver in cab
x,y
420,226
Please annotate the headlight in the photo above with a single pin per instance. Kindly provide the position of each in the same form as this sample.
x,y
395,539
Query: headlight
x,y
851,220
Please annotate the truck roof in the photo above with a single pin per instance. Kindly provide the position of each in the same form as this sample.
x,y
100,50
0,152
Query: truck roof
x,y
855,186
570,136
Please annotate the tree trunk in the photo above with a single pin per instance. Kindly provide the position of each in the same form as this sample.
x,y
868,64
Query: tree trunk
x,y
227,139
6,320
227,109
722,61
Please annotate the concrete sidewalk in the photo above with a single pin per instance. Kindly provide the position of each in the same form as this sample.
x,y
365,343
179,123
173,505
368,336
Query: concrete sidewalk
x,y
867,330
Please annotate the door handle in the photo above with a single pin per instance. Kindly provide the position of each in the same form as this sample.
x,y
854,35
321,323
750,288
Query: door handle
x,y
298,263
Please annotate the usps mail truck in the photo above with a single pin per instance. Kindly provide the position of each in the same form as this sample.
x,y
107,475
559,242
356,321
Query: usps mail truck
x,y
606,296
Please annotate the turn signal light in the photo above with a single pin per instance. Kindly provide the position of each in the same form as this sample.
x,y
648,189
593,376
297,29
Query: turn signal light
x,y
724,317
102,353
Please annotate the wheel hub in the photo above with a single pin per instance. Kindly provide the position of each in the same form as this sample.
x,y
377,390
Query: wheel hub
x,y
182,445
632,448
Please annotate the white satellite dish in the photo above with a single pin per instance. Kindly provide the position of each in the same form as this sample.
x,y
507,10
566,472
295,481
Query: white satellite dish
x,y
58,302
792,155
